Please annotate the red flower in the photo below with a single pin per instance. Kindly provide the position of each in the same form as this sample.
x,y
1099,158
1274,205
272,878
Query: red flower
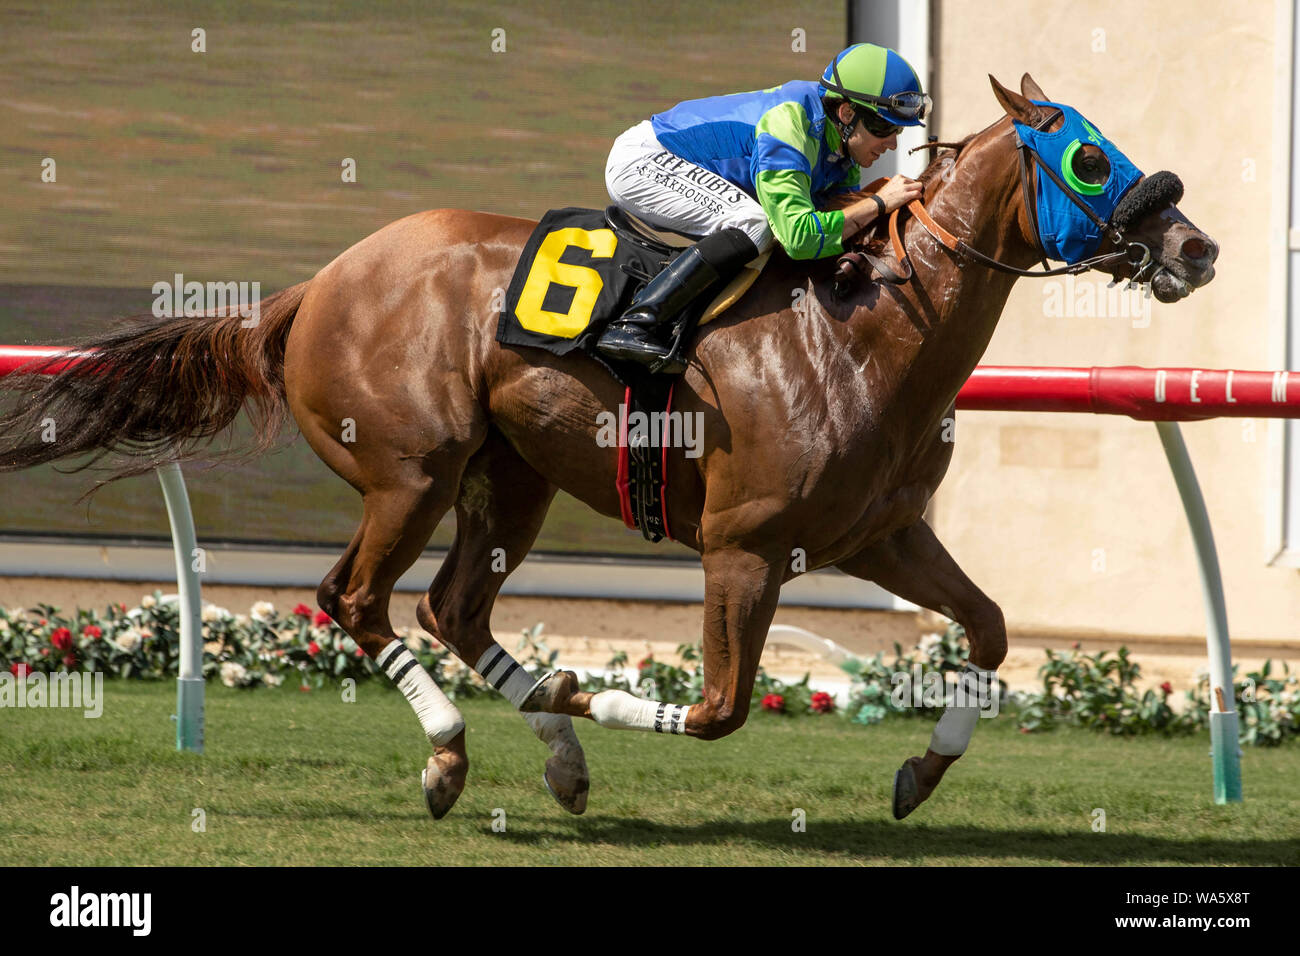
x,y
1167,687
313,649
1077,646
19,669
304,688
122,606
302,610
45,652
92,632
321,619
61,639
70,661
774,702
822,702
645,662
360,652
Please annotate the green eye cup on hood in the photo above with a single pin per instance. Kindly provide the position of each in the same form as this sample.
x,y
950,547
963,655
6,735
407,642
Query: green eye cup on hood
x,y
1086,173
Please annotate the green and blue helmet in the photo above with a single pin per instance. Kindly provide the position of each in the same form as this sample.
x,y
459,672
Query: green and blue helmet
x,y
880,80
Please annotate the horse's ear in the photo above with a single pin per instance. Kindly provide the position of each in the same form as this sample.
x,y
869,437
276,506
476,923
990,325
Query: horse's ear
x,y
1030,89
1016,106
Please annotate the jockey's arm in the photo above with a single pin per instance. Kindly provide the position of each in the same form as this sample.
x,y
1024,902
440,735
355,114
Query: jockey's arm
x,y
804,231
785,151
848,197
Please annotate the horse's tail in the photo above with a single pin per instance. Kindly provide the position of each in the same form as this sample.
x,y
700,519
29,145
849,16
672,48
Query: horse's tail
x,y
154,391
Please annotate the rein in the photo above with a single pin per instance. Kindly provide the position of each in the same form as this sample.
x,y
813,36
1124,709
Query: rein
x,y
1136,253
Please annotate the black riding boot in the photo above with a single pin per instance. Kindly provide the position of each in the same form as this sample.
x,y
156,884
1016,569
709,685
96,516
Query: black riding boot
x,y
633,337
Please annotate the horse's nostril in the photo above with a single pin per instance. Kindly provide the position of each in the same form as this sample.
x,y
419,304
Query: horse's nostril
x,y
1194,248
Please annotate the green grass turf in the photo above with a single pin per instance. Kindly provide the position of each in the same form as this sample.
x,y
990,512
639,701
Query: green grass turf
x,y
303,778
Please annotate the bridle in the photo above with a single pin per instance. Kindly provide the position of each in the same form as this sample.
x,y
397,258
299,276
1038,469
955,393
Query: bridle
x,y
1136,253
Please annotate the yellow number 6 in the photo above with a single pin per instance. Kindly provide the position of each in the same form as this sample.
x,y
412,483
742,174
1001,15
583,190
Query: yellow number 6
x,y
548,268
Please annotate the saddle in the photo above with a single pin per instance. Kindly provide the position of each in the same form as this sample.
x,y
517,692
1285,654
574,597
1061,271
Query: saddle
x,y
579,270
626,223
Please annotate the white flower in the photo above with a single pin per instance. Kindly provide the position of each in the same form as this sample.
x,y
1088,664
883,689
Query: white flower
x,y
213,613
348,646
928,642
273,680
233,674
241,620
4,624
148,601
262,611
129,639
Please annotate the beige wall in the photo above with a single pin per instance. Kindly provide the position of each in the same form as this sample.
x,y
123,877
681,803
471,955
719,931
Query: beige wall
x,y
1031,501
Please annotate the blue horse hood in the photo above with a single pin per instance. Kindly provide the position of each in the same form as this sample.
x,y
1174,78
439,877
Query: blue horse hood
x,y
1066,232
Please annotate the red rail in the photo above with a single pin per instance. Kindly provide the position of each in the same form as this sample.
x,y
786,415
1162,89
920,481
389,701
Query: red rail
x,y
14,357
1149,394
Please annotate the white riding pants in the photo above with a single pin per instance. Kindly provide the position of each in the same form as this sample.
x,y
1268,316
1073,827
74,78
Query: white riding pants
x,y
670,193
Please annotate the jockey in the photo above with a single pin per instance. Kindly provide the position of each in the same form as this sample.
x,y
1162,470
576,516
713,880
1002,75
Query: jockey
x,y
743,170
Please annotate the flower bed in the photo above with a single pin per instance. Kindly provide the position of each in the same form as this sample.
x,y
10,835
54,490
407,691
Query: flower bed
x,y
1083,690
303,646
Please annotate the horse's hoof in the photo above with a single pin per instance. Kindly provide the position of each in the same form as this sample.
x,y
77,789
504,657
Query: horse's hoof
x,y
906,793
441,790
567,780
550,692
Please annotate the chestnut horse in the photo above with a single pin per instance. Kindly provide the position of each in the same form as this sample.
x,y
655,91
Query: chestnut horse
x,y
824,436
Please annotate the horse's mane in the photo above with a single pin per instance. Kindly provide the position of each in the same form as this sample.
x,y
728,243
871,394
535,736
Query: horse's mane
x,y
940,159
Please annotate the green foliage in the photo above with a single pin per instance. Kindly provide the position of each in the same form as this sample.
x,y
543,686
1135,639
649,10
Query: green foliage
x,y
881,690
1097,691
264,648
268,647
1268,707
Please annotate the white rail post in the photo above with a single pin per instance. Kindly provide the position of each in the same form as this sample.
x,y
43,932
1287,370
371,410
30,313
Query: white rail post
x,y
189,681
1224,748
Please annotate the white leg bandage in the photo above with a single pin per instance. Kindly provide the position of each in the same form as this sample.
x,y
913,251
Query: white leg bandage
x,y
952,733
621,711
554,730
438,715
505,674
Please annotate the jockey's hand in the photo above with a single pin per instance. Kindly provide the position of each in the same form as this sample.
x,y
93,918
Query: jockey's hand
x,y
900,191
